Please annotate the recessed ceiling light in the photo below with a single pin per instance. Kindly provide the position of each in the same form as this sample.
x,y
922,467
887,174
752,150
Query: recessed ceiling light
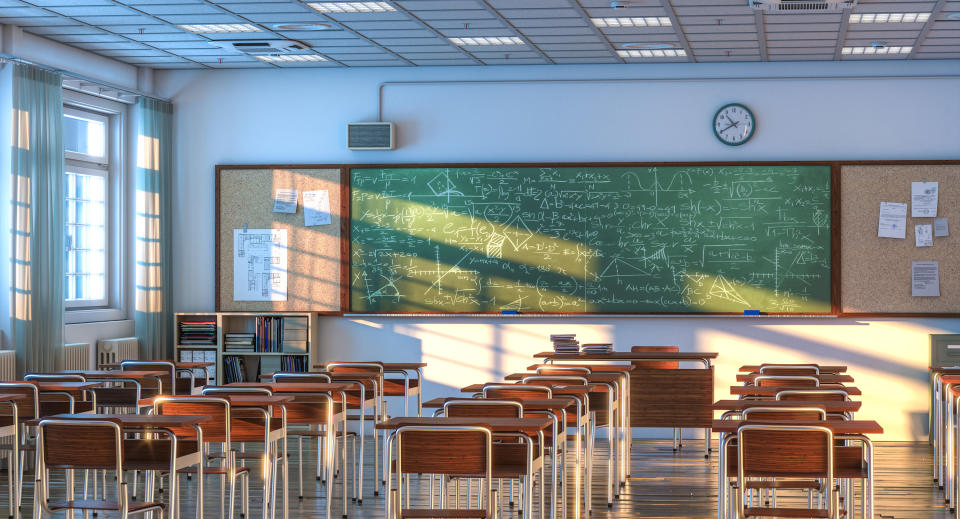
x,y
895,49
638,21
319,26
289,58
488,40
647,46
655,53
889,17
208,28
352,7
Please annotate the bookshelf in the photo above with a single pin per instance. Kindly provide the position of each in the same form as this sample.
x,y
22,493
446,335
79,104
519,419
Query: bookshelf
x,y
246,344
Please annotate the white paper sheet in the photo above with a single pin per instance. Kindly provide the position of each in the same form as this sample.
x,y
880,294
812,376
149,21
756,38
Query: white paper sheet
x,y
941,227
893,220
260,265
925,278
316,208
923,196
285,201
924,233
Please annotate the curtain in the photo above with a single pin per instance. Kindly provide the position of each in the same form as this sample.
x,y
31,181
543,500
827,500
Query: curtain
x,y
37,224
154,259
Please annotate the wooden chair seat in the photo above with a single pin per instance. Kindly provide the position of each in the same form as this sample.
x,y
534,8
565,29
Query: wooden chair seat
x,y
815,513
92,504
443,513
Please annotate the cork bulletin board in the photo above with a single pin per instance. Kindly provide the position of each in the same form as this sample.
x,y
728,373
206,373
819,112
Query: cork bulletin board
x,y
875,272
245,196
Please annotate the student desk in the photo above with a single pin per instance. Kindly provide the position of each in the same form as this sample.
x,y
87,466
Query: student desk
x,y
674,398
849,429
135,377
141,454
771,391
12,429
944,449
940,409
532,428
755,368
830,406
396,386
826,378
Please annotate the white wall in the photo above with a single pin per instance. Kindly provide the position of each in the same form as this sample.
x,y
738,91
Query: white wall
x,y
825,111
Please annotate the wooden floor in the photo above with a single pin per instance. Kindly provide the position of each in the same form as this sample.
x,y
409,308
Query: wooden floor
x,y
662,484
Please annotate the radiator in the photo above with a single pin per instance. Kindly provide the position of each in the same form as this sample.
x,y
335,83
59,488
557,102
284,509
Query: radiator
x,y
76,356
111,351
8,365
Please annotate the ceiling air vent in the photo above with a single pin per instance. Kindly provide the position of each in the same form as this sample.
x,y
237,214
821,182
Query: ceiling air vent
x,y
260,47
801,6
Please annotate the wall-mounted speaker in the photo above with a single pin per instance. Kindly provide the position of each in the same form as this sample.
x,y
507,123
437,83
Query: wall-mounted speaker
x,y
370,136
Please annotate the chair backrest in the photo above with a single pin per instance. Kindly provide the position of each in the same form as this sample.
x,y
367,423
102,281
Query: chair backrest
x,y
783,413
148,384
442,449
320,378
784,451
564,370
555,380
27,407
216,430
54,377
483,408
355,367
229,390
789,369
786,381
655,364
247,424
81,444
516,391
308,409
814,395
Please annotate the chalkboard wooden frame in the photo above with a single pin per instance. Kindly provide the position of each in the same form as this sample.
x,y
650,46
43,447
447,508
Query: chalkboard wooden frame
x,y
836,222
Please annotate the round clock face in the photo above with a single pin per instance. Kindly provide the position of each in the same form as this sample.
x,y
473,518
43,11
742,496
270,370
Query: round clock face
x,y
733,124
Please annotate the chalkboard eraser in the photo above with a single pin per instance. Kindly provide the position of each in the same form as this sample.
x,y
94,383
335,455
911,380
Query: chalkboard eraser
x,y
509,312
751,312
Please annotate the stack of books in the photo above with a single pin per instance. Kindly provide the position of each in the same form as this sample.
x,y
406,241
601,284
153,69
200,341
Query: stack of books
x,y
598,348
269,334
565,343
234,370
239,341
197,333
293,363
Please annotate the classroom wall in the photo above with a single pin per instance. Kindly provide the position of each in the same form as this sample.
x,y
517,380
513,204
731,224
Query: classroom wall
x,y
868,110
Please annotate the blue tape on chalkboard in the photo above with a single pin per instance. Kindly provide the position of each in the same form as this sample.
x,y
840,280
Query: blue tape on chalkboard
x,y
751,312
509,312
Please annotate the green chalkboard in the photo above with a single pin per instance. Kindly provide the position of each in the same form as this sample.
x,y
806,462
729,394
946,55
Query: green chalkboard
x,y
595,239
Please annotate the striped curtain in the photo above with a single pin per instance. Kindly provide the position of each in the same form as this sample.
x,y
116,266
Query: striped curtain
x,y
37,248
154,259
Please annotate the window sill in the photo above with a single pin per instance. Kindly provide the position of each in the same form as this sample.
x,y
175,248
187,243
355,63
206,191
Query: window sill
x,y
87,315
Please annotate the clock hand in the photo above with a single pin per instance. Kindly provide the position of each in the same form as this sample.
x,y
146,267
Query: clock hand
x,y
728,127
732,122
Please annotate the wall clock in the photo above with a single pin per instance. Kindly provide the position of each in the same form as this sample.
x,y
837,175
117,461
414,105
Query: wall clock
x,y
734,124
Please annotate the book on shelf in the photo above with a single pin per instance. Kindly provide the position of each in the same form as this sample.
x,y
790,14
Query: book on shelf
x,y
234,369
197,333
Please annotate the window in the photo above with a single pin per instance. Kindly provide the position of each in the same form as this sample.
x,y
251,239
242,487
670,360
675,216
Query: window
x,y
87,136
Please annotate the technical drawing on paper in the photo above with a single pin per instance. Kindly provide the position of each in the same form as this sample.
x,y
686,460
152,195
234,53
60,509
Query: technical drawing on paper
x,y
260,265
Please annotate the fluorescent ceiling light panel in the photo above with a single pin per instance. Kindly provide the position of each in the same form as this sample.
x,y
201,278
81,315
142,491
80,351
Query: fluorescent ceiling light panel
x,y
205,28
893,49
642,21
889,18
352,7
488,40
289,58
655,53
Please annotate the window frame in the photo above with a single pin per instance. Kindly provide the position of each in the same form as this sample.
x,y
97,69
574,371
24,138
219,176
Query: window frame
x,y
103,172
113,165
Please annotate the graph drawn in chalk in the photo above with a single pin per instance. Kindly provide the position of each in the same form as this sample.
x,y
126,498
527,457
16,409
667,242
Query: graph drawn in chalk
x,y
723,289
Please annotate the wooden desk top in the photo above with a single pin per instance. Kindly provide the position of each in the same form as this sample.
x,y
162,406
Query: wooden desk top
x,y
113,374
403,366
629,355
944,369
295,387
772,391
950,379
177,365
529,426
837,426
235,400
750,368
592,377
826,405
45,386
530,404
825,378
141,421
619,368
555,390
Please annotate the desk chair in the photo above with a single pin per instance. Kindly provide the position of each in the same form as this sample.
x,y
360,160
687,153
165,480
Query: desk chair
x,y
380,414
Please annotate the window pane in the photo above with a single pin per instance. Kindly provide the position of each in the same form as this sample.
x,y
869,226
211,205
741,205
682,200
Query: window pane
x,y
85,215
82,135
